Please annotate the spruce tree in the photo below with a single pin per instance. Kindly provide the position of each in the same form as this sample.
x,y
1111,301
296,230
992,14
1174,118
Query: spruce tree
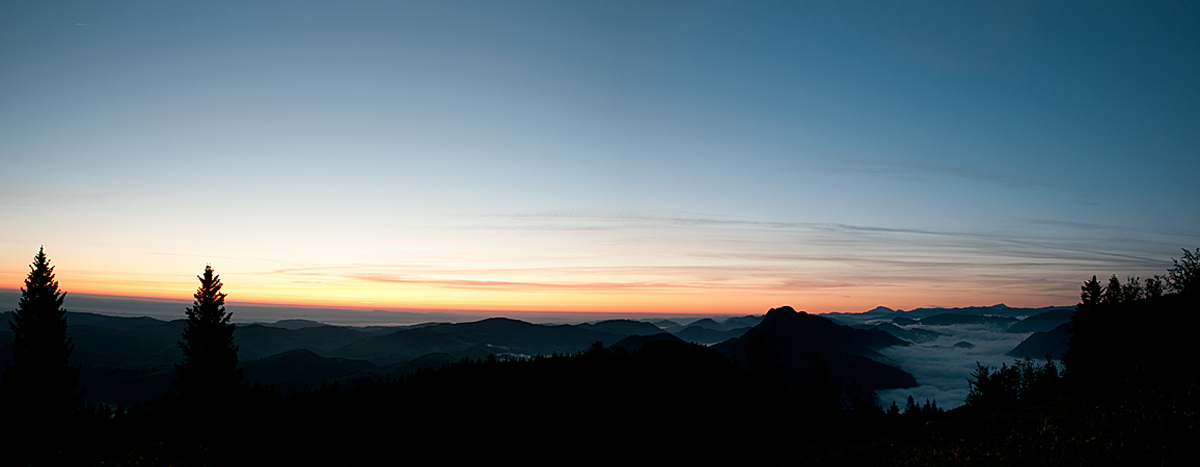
x,y
209,372
1091,292
1112,291
40,385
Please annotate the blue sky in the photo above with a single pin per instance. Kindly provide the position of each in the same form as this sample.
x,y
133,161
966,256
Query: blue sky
x,y
595,156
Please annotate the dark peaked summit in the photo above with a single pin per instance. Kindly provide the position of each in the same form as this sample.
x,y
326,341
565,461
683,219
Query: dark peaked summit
x,y
800,337
818,331
1039,344
1041,322
706,323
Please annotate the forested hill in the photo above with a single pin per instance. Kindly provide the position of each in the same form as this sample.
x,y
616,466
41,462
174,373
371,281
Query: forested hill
x,y
128,358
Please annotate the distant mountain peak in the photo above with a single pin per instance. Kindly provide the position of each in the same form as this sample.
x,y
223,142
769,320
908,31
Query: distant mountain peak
x,y
498,319
800,336
783,311
293,324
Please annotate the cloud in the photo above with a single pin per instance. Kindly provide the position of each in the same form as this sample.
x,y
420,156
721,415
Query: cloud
x,y
864,244
660,278
941,370
638,252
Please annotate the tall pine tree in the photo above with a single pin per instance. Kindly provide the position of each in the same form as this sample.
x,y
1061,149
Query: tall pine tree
x,y
209,371
1091,292
40,385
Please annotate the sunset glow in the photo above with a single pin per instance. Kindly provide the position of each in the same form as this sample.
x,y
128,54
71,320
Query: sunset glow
x,y
601,157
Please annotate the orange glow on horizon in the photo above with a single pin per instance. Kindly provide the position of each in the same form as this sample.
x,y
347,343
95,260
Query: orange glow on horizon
x,y
643,290
714,302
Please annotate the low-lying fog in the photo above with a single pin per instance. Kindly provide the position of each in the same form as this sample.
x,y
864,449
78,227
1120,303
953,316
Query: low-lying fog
x,y
941,369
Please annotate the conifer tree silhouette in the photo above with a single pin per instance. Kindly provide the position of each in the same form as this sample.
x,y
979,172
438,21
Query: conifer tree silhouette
x,y
1112,291
40,385
209,371
1091,292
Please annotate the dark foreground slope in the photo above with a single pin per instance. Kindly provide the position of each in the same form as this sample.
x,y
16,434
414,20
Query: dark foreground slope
x,y
666,403
1127,424
127,359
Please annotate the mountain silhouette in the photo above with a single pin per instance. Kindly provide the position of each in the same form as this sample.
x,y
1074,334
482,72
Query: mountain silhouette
x,y
305,368
706,336
994,310
633,343
905,318
848,353
951,319
259,341
737,322
622,327
1041,322
500,336
729,324
667,325
913,334
293,324
1039,344
117,348
75,318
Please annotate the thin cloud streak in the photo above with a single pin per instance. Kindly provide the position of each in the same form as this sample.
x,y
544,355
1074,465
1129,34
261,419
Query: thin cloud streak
x,y
562,257
845,234
846,257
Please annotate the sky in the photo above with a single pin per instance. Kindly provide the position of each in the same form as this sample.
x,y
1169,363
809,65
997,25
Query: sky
x,y
624,157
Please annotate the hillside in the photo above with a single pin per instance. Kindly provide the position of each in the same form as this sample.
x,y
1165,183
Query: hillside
x,y
1041,322
1039,344
500,336
799,337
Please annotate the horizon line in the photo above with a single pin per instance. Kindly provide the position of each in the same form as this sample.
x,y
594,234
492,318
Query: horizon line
x,y
484,311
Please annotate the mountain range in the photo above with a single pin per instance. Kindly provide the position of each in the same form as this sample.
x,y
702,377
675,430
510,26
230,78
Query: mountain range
x,y
882,313
127,358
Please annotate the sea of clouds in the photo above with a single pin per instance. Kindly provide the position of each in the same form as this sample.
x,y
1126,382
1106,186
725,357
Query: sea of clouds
x,y
941,369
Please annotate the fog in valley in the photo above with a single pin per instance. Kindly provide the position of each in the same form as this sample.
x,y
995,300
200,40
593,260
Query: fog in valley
x,y
941,368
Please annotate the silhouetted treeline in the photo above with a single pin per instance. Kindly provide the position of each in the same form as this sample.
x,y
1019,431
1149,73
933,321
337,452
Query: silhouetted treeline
x,y
1136,329
1137,333
914,413
1024,383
